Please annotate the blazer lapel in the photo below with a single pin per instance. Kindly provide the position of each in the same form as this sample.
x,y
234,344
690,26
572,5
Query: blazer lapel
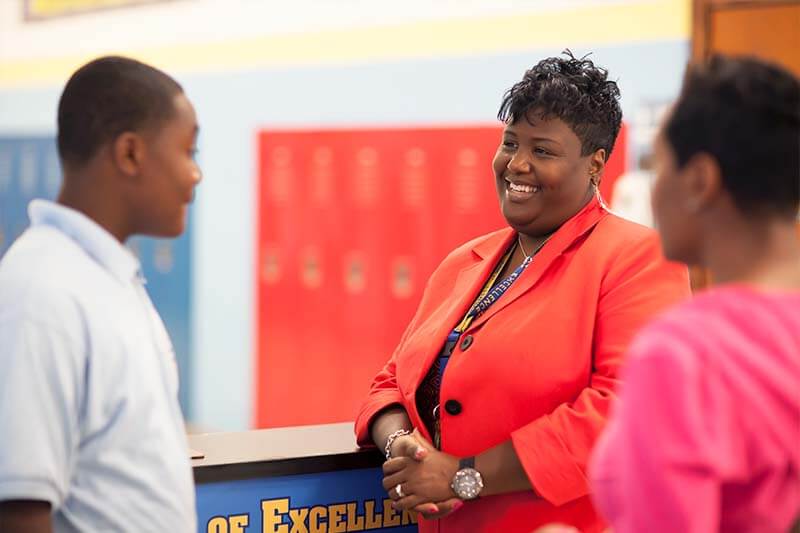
x,y
455,304
562,239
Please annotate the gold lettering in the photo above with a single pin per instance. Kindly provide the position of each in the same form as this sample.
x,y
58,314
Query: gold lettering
x,y
335,522
238,523
298,518
355,522
374,521
315,525
409,517
272,512
390,516
218,524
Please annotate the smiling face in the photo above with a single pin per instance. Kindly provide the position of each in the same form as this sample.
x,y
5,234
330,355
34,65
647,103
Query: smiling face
x,y
541,177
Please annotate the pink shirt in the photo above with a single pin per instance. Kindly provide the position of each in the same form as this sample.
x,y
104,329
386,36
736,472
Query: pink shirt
x,y
706,434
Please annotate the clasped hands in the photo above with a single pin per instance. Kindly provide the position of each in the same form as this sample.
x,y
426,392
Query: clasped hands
x,y
417,477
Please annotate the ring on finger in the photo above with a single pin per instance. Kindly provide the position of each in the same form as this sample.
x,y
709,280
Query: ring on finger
x,y
399,490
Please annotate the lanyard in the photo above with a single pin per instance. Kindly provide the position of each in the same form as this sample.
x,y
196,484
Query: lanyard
x,y
490,293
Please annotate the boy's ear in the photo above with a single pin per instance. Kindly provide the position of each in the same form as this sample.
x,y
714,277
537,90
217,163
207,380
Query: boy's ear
x,y
128,152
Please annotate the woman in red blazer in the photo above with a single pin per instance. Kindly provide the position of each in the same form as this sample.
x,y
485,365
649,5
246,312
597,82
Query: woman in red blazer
x,y
490,405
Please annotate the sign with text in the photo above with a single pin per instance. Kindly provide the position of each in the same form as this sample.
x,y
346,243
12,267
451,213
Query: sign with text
x,y
330,502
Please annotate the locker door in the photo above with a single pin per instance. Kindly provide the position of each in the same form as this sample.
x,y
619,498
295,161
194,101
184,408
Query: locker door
x,y
278,279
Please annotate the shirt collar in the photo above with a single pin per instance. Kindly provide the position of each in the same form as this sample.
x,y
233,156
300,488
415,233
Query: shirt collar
x,y
96,241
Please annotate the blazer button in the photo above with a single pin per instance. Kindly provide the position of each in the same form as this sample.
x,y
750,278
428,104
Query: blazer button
x,y
452,407
466,342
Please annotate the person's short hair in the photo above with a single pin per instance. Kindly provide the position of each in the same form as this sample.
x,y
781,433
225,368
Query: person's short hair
x,y
746,114
107,97
573,90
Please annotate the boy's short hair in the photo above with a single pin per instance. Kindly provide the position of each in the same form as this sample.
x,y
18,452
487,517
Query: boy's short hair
x,y
107,97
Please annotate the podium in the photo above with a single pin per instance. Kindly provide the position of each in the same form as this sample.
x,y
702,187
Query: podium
x,y
307,479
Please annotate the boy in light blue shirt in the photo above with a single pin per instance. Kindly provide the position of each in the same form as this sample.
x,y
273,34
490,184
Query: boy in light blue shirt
x,y
91,433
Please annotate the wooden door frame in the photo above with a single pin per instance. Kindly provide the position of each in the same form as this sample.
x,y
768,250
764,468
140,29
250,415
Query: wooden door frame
x,y
701,19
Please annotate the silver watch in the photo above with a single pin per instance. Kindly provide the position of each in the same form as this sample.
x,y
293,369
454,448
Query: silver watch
x,y
467,482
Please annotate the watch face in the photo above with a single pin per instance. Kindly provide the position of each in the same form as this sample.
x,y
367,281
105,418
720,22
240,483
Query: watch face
x,y
467,483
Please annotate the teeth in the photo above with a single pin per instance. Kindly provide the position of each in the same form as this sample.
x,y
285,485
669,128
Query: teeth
x,y
519,187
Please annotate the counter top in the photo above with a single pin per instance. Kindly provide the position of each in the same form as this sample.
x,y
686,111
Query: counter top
x,y
279,452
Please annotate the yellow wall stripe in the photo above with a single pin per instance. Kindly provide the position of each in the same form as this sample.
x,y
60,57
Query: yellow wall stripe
x,y
575,28
43,9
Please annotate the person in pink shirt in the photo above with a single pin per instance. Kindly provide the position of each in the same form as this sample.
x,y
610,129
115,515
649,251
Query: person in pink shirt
x,y
706,433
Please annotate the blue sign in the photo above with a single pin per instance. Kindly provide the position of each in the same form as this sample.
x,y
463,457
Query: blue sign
x,y
329,502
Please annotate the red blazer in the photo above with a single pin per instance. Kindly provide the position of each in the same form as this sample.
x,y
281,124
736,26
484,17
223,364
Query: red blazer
x,y
542,367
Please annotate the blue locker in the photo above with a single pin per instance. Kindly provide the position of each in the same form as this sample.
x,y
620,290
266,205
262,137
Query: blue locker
x,y
29,169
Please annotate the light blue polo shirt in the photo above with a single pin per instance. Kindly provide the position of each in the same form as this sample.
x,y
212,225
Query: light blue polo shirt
x,y
89,413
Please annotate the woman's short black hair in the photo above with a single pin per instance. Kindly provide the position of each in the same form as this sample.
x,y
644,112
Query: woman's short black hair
x,y
107,97
573,90
746,114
